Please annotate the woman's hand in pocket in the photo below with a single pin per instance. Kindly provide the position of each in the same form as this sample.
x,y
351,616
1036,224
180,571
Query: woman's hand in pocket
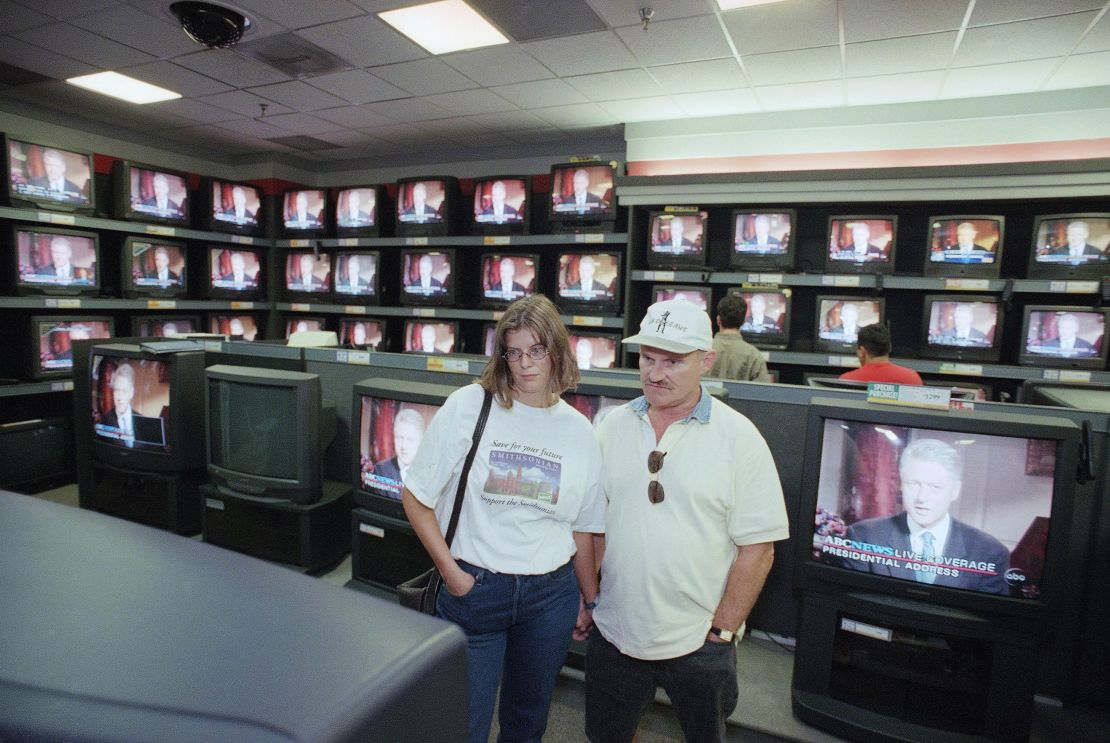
x,y
460,583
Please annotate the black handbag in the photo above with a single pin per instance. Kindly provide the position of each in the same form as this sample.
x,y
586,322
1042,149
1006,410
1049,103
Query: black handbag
x,y
420,592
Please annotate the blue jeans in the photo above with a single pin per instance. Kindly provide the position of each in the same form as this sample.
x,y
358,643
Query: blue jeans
x,y
518,631
701,685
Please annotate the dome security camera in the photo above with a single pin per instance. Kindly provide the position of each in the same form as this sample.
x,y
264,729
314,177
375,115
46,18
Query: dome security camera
x,y
214,26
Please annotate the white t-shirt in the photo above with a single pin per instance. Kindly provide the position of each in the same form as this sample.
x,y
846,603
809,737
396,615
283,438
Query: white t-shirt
x,y
666,564
536,478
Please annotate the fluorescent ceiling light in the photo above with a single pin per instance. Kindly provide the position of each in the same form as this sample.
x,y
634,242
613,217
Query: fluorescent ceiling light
x,y
445,26
733,4
123,87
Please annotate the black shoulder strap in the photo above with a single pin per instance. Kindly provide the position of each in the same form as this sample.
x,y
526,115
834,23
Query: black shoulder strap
x,y
478,429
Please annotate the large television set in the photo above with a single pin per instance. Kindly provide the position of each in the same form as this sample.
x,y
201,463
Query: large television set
x,y
590,282
52,337
429,336
594,350
236,273
992,491
427,277
228,206
964,245
762,240
678,239
303,324
697,295
1064,337
147,407
307,276
238,327
962,327
767,317
428,206
357,277
304,213
1070,246
164,326
153,267
363,335
501,205
507,277
861,244
54,262
147,193
267,432
41,176
582,196
358,211
839,318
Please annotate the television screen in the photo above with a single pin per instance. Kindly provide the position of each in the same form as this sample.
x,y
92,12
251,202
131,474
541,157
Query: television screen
x,y
964,246
155,267
1064,337
840,318
234,273
767,317
390,433
594,407
54,338
698,295
582,192
762,239
307,274
356,276
167,326
962,323
362,334
489,338
236,207
589,281
501,201
49,177
239,327
861,244
55,261
356,210
421,201
303,211
303,324
426,276
130,402
677,240
421,336
594,350
1066,245
160,195
508,277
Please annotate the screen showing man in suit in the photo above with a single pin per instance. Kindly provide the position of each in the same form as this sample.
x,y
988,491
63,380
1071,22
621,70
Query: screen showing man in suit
x,y
307,272
677,235
694,295
957,510
963,241
388,441
355,273
860,240
762,233
587,277
498,205
419,202
157,264
507,277
55,259
765,312
1071,335
244,206
357,207
159,194
234,269
431,272
46,172
581,189
962,323
1082,240
123,390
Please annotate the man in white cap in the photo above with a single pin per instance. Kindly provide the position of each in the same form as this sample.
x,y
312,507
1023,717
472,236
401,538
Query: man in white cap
x,y
694,505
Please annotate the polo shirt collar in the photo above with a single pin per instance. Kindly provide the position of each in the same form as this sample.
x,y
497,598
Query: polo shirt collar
x,y
700,412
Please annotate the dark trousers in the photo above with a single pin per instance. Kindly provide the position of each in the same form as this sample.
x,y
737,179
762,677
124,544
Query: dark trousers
x,y
701,685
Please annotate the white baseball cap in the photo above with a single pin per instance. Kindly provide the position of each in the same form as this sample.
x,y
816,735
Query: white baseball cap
x,y
675,325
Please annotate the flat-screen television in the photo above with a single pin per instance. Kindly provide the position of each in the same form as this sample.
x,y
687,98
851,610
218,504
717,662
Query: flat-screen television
x,y
582,196
1069,246
964,245
389,417
678,239
229,206
962,327
1064,337
146,193
304,212
52,338
969,510
153,267
165,326
839,319
237,327
55,262
763,240
699,295
356,211
861,244
767,317
594,350
303,324
307,276
364,335
427,206
235,273
507,277
267,431
41,176
590,282
147,407
429,336
427,277
356,277
501,205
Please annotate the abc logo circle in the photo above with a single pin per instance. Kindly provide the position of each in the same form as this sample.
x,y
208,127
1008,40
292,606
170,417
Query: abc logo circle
x,y
1015,577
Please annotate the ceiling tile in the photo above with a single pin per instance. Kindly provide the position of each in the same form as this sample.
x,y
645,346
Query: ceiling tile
x,y
685,40
485,141
348,138
247,104
1098,39
827,94
409,109
68,8
198,111
901,88
1016,77
424,77
403,134
693,77
365,41
608,86
803,66
176,78
538,136
1004,11
355,117
20,17
892,56
864,22
21,54
717,103
627,12
298,95
498,65
569,117
782,26
1081,70
254,128
232,68
1013,42
298,13
539,93
509,121
157,35
62,38
580,55
470,102
453,128
357,86
302,123
643,109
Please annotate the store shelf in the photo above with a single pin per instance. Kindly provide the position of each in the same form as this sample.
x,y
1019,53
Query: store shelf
x,y
444,313
36,388
98,303
116,225
589,238
454,363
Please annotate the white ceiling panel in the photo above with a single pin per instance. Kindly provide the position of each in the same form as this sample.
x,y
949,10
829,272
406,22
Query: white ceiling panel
x,y
198,111
828,94
627,12
540,93
157,35
717,103
865,20
608,86
509,120
409,109
643,109
894,56
903,88
357,86
403,135
498,65
21,54
453,128
571,117
781,26
601,51
348,138
1082,70
801,66
424,77
95,50
298,95
1001,79
684,40
354,117
255,128
298,13
365,42
67,8
301,123
470,102
1013,42
1098,38
244,103
693,77
539,136
19,17
1004,11
176,78
229,67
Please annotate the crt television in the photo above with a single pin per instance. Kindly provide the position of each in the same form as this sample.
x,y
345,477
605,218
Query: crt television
x,y
303,324
429,336
164,326
427,277
54,262
508,276
501,205
358,211
994,492
698,295
861,244
52,338
582,195
839,319
1064,337
1067,246
363,335
237,327
41,176
962,327
307,276
357,276
235,273
594,350
767,317
267,432
763,240
147,408
146,193
964,245
427,206
233,207
678,239
304,212
589,282
153,267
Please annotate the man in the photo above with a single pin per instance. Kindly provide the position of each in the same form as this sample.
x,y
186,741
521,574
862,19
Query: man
x,y
358,335
581,199
122,421
757,321
931,475
238,213
301,219
962,333
678,243
586,288
162,274
420,211
762,240
966,250
1067,341
352,215
306,280
861,248
425,283
848,327
498,211
694,505
61,257
584,353
507,288
428,339
238,277
169,329
160,202
236,329
1077,246
408,432
356,284
55,182
736,358
873,352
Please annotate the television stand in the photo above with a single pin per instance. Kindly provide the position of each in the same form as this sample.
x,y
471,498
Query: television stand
x,y
311,538
168,500
385,551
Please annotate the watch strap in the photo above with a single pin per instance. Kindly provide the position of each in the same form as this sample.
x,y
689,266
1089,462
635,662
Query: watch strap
x,y
725,634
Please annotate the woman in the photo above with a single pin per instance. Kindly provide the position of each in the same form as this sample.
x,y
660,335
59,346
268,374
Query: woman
x,y
519,576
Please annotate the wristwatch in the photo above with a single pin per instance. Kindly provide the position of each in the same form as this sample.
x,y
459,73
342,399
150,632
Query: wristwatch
x,y
591,605
725,634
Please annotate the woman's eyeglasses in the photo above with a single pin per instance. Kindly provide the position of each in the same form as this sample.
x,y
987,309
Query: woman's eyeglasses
x,y
655,488
536,353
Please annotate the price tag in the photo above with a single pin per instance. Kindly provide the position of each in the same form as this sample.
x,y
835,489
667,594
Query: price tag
x,y
846,281
423,312
496,240
300,243
242,240
300,307
497,315
662,275
846,361
242,305
593,322
975,285
1057,287
592,237
63,304
914,396
971,370
416,241
374,531
1081,287
161,304
766,355
158,229
765,278
362,358
57,218
867,630
213,346
214,503
348,242
65,386
442,364
1069,375
354,309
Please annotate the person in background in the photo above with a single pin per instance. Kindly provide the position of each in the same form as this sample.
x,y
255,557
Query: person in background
x,y
736,358
873,352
